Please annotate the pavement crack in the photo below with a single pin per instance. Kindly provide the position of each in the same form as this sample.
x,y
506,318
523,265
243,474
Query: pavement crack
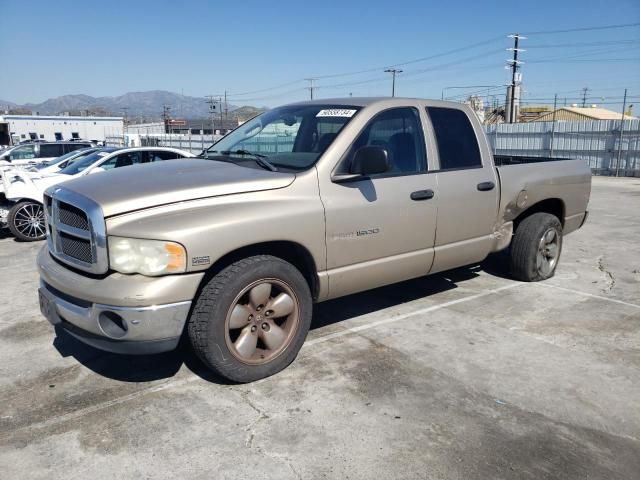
x,y
251,430
611,281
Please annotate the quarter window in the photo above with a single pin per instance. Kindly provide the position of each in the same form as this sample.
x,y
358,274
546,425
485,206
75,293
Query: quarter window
x,y
162,155
457,143
399,131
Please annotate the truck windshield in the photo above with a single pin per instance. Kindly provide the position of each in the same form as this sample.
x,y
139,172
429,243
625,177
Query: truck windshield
x,y
291,137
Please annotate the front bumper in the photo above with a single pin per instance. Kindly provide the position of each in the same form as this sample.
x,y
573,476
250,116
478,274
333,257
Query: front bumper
x,y
128,330
129,314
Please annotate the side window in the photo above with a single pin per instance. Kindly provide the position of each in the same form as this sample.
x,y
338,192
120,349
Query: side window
x,y
457,143
50,150
123,160
159,156
70,147
23,153
399,130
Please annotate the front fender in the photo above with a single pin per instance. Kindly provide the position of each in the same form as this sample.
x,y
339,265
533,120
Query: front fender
x,y
213,227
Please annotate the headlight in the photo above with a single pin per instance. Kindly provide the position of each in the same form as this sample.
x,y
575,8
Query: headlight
x,y
148,257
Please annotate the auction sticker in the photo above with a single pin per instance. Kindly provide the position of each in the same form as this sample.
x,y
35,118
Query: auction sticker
x,y
336,112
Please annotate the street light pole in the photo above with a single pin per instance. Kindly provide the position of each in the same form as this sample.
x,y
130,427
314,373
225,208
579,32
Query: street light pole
x,y
393,72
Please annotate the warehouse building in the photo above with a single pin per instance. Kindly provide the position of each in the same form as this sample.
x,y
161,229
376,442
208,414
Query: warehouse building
x,y
18,128
580,114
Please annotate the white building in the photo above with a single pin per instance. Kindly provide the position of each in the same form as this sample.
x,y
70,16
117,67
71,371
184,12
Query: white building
x,y
52,128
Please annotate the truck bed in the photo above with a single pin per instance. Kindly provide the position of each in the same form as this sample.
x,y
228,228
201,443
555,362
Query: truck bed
x,y
502,160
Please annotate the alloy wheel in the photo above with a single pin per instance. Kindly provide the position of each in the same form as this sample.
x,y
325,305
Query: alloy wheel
x,y
262,321
548,252
29,221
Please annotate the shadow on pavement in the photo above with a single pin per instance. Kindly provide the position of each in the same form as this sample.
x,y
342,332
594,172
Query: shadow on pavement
x,y
146,368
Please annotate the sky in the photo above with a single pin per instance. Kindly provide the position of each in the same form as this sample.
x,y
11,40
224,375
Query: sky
x,y
261,52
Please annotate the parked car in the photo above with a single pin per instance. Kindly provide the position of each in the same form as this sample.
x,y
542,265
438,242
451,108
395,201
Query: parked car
x,y
38,152
23,212
301,204
49,166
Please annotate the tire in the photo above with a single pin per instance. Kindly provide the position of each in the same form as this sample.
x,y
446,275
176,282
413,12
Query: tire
x,y
26,221
536,247
217,329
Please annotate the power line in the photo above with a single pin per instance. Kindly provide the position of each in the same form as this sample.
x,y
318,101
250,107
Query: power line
x,y
584,29
586,44
376,69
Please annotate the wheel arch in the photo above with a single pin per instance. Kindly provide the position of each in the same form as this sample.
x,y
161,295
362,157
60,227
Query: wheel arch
x,y
294,253
553,206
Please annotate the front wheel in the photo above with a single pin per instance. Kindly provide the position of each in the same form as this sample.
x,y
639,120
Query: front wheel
x,y
26,221
251,319
536,247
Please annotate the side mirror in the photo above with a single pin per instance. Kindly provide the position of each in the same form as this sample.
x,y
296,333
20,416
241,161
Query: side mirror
x,y
370,160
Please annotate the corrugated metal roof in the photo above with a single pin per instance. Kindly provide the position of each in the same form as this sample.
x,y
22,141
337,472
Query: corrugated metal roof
x,y
582,113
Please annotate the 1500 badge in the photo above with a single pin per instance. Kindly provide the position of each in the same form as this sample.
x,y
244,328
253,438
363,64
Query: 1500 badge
x,y
357,233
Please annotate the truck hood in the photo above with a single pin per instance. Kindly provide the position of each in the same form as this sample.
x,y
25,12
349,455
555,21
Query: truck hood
x,y
143,186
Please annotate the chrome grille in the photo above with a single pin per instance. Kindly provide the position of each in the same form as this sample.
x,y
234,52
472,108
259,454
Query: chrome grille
x,y
76,230
76,247
72,216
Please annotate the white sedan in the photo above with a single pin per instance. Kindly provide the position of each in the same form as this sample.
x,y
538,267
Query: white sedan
x,y
23,213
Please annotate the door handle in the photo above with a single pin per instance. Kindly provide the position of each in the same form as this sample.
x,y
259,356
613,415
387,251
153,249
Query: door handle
x,y
422,195
486,186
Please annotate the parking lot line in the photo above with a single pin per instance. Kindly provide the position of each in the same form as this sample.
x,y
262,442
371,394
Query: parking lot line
x,y
585,294
386,321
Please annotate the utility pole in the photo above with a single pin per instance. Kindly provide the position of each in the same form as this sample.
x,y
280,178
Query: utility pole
x,y
584,96
124,119
212,111
515,65
393,72
624,107
166,117
553,125
311,87
226,106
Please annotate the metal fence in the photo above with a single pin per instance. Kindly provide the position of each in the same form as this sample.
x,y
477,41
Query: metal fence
x,y
192,143
608,150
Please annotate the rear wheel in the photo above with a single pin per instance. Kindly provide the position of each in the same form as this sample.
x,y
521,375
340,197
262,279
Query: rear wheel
x,y
536,247
26,221
251,319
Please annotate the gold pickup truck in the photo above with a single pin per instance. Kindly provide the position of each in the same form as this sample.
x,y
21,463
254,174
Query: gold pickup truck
x,y
304,203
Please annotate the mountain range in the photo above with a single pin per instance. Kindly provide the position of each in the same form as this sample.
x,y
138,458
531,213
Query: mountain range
x,y
139,106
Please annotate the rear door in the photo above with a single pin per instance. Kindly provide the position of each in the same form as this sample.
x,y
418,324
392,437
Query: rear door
x,y
468,193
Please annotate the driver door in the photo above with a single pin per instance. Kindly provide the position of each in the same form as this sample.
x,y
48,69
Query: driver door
x,y
381,229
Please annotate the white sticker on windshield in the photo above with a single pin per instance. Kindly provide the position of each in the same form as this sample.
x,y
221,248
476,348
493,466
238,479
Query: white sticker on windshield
x,y
336,112
103,154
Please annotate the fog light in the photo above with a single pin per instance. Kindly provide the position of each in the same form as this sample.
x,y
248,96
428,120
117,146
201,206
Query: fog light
x,y
112,324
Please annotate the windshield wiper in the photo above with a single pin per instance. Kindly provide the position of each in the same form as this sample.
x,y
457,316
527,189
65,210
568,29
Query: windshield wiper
x,y
258,158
